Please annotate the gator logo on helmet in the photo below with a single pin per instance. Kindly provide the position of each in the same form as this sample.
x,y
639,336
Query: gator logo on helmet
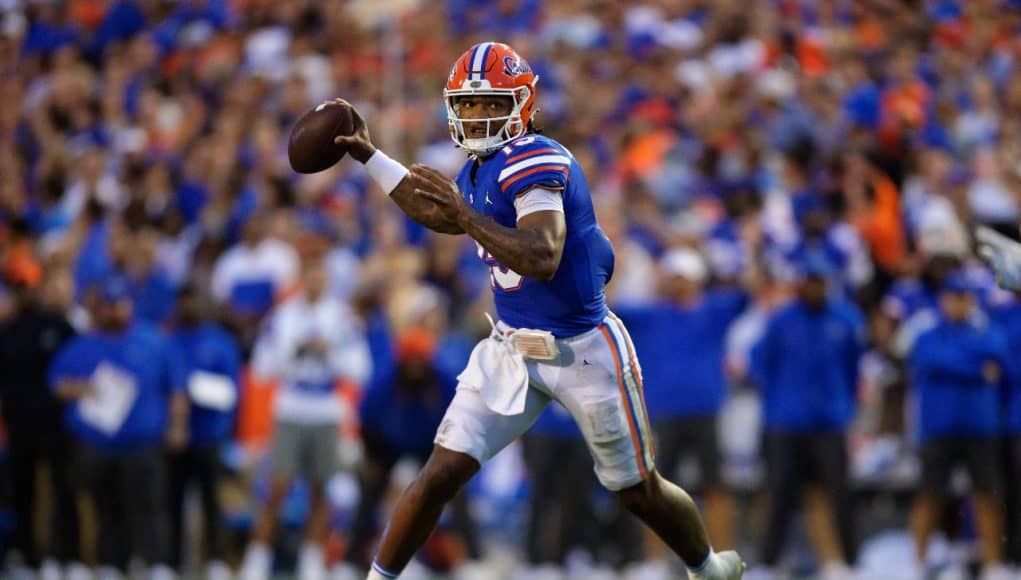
x,y
515,66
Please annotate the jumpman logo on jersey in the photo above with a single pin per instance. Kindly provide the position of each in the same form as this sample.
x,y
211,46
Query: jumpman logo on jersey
x,y
488,201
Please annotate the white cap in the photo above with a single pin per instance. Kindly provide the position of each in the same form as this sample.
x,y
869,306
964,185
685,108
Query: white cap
x,y
684,262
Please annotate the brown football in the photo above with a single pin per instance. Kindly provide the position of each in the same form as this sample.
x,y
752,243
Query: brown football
x,y
311,148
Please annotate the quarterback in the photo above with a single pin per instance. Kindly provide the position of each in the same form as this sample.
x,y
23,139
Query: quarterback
x,y
524,200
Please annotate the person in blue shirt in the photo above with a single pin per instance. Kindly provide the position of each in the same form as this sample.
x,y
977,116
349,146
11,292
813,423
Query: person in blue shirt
x,y
29,340
806,366
125,405
957,372
124,249
1007,314
681,340
211,360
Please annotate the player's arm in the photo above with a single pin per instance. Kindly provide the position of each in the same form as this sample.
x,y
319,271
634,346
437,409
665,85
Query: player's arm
x,y
422,210
393,177
532,249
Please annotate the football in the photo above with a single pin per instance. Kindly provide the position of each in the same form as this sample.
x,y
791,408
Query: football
x,y
311,148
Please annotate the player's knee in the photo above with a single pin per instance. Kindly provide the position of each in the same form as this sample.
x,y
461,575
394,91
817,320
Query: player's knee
x,y
642,498
445,474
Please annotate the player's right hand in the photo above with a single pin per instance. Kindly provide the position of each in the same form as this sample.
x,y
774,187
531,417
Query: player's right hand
x,y
359,143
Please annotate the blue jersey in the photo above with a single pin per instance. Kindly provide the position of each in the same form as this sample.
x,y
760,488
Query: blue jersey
x,y
139,356
211,349
946,364
574,301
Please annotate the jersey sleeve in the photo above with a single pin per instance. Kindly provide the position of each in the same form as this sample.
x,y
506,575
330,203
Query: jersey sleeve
x,y
536,163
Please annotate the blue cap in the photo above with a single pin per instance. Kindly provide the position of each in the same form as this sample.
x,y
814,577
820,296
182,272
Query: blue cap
x,y
114,288
957,283
812,265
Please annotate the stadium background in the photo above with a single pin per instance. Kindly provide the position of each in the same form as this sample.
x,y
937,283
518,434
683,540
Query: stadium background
x,y
150,134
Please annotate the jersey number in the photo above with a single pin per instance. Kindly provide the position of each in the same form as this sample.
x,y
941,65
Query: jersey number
x,y
500,276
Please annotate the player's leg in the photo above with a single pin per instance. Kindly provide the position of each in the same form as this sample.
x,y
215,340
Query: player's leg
x,y
936,466
602,390
469,435
420,506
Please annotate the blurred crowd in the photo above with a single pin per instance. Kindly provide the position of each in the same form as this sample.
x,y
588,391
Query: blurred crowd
x,y
790,187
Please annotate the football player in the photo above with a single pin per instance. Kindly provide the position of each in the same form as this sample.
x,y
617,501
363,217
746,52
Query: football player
x,y
524,200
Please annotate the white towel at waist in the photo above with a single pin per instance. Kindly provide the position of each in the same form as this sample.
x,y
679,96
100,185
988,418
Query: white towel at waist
x,y
497,371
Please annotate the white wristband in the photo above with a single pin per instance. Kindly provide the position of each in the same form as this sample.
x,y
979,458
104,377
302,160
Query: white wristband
x,y
386,172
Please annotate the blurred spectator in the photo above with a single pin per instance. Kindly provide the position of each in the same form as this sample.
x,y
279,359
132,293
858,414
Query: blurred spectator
x,y
1007,314
211,363
682,340
308,344
561,518
399,415
251,276
126,399
35,432
806,365
896,124
957,370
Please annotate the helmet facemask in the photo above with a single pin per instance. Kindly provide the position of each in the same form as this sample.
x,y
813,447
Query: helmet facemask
x,y
499,130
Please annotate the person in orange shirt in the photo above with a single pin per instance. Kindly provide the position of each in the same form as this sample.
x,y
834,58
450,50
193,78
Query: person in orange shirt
x,y
873,207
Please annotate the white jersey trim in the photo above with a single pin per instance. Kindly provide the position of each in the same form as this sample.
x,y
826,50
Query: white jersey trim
x,y
533,161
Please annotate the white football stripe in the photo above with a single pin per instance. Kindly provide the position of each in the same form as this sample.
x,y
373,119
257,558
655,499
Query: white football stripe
x,y
631,384
478,60
537,160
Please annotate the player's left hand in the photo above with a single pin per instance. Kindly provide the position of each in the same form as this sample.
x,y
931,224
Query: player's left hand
x,y
441,190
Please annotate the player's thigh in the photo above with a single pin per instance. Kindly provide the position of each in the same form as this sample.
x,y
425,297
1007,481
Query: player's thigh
x,y
472,428
601,389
